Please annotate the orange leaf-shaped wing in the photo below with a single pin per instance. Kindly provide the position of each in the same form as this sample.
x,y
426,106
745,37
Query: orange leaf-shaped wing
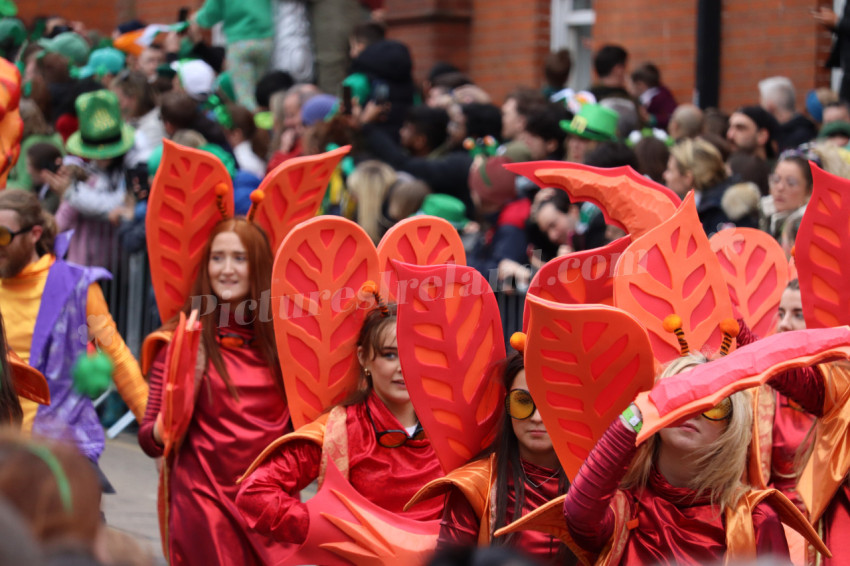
x,y
756,272
346,528
10,87
672,270
579,278
449,340
702,387
317,275
419,240
182,211
293,192
29,382
584,365
822,244
627,199
178,393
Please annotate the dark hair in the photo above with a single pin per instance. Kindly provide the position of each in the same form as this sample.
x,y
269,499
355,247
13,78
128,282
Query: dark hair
x,y
527,100
259,255
10,405
559,199
508,464
178,109
368,33
614,154
608,57
750,168
557,68
647,74
54,67
135,85
441,68
482,120
429,122
270,83
451,81
802,163
30,213
544,122
652,155
42,155
243,119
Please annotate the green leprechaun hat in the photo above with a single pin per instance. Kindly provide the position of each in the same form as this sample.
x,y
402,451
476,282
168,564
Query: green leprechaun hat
x,y
593,122
102,134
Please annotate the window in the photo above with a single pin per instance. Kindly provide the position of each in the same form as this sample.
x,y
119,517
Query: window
x,y
572,27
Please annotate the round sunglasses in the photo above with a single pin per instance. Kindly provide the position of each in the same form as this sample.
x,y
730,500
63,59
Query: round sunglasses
x,y
394,438
6,235
519,404
720,412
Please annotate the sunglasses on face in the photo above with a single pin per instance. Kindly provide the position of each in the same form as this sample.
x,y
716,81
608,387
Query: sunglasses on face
x,y
6,235
720,412
519,404
394,438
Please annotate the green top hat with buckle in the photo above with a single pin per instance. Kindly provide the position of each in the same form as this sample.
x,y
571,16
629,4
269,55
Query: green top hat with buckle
x,y
593,122
446,207
102,134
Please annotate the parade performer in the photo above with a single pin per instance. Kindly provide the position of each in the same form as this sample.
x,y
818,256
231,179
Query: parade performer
x,y
232,394
52,310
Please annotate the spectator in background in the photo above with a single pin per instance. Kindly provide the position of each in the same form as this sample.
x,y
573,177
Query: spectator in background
x,y
610,66
556,70
543,135
686,121
103,65
364,35
41,157
838,111
777,96
36,130
196,78
368,185
137,100
424,130
652,156
243,138
249,28
656,100
839,56
148,61
593,124
752,130
715,122
790,189
515,110
287,127
269,84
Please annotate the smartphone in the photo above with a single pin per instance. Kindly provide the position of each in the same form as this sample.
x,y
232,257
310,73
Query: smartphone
x,y
346,100
381,93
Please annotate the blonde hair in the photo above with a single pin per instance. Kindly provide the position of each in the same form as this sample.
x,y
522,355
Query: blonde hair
x,y
368,184
702,160
720,465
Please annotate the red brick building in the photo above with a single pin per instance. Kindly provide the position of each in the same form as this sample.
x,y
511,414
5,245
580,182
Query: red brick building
x,y
502,43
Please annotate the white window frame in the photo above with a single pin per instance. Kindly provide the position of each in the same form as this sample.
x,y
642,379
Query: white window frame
x,y
562,22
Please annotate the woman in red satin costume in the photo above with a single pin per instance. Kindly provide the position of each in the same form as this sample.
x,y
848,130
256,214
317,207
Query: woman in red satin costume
x,y
523,450
670,500
387,454
240,404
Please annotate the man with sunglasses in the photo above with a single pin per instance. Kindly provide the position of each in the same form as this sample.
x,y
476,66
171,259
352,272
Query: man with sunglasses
x,y
53,310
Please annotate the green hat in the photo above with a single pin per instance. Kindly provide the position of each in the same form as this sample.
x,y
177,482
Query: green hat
x,y
8,8
105,61
70,44
12,30
446,207
593,122
102,134
837,128
361,87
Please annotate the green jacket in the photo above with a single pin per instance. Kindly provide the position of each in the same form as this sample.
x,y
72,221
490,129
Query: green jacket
x,y
243,19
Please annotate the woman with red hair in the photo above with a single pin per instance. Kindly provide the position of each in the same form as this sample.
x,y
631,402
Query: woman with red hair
x,y
239,408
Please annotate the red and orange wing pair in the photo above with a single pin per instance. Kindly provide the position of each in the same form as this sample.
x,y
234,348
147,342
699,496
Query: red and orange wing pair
x,y
178,392
192,192
318,306
11,123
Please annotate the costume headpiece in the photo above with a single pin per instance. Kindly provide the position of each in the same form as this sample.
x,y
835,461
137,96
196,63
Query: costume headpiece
x,y
11,124
192,192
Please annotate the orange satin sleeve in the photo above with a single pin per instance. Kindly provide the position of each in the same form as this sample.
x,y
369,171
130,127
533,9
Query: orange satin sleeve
x,y
127,376
827,467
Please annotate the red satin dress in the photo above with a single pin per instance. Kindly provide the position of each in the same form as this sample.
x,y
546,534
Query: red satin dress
x,y
460,525
669,525
225,435
388,477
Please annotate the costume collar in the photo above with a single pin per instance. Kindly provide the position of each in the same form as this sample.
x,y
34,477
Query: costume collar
x,y
678,496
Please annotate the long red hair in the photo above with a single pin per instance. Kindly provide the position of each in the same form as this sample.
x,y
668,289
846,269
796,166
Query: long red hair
x,y
260,259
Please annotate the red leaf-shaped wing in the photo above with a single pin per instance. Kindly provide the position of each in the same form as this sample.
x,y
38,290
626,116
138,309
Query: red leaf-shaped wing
x,y
293,192
756,272
10,87
584,365
11,133
317,275
702,387
419,240
182,211
627,199
178,393
672,270
29,382
821,249
346,528
579,278
449,339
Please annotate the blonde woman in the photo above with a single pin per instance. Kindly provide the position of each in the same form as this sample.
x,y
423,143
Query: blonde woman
x,y
671,499
696,164
368,185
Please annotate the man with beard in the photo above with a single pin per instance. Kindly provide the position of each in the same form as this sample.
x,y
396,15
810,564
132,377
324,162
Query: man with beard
x,y
53,310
